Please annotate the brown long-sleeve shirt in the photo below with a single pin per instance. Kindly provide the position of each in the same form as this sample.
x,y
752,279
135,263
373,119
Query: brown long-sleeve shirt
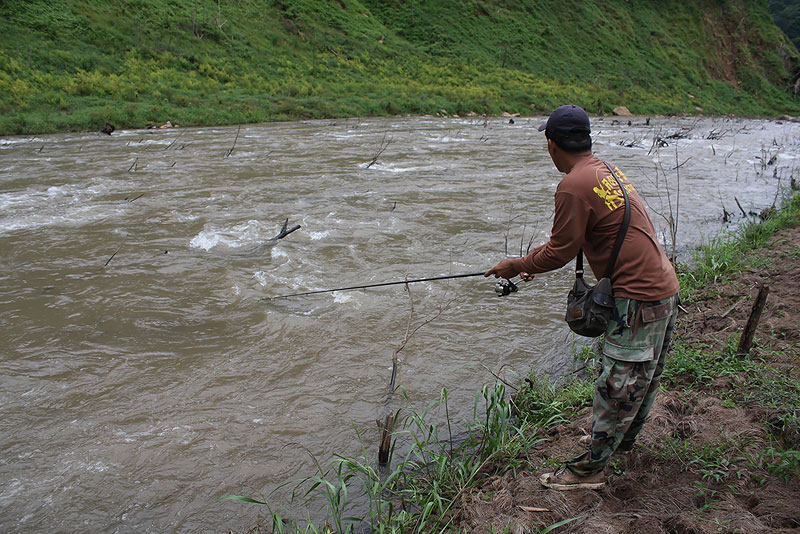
x,y
589,208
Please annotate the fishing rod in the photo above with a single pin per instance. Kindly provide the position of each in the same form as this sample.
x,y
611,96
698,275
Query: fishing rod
x,y
502,288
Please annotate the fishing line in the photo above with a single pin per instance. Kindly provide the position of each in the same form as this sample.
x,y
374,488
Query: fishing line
x,y
444,277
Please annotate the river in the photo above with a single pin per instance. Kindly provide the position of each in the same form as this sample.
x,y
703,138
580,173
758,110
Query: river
x,y
144,376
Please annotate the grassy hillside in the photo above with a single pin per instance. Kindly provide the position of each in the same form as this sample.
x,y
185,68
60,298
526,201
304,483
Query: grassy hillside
x,y
73,65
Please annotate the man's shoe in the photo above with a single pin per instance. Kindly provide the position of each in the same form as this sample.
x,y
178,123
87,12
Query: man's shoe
x,y
625,447
563,479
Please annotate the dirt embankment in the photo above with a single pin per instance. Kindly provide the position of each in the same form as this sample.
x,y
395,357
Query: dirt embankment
x,y
658,488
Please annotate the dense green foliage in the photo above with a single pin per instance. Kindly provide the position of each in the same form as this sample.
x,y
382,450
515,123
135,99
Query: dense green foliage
x,y
787,16
74,64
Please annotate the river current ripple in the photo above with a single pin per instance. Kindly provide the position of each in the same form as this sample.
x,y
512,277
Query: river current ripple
x,y
143,376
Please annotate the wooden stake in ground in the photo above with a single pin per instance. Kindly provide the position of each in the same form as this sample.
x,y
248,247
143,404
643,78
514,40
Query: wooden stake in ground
x,y
746,342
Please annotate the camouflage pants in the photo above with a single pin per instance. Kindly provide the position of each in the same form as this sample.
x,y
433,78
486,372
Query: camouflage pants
x,y
633,355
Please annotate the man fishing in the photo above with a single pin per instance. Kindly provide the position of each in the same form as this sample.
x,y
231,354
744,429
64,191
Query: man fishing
x,y
589,210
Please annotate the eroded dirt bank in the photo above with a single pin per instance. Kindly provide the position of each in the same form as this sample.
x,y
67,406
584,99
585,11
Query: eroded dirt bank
x,y
661,486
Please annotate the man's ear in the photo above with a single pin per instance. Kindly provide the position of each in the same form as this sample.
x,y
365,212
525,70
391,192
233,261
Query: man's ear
x,y
556,155
551,148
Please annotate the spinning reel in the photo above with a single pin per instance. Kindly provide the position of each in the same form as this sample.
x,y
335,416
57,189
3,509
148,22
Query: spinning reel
x,y
505,287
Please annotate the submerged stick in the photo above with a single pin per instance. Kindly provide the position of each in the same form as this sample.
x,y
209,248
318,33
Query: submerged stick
x,y
387,428
234,142
740,207
390,418
112,256
172,143
284,232
381,150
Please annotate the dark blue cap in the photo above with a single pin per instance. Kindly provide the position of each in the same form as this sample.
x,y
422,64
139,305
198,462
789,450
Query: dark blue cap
x,y
568,121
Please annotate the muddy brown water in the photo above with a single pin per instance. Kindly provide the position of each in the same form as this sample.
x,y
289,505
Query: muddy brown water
x,y
143,377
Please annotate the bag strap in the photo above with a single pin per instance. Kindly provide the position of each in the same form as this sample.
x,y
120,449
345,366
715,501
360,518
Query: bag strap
x,y
620,235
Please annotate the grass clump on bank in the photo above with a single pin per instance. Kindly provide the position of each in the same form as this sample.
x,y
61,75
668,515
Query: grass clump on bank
x,y
429,469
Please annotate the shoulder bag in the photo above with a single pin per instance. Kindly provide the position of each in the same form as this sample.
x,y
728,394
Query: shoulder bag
x,y
589,308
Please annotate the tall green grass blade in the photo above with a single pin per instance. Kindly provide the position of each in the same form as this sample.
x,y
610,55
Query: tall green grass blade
x,y
559,524
240,498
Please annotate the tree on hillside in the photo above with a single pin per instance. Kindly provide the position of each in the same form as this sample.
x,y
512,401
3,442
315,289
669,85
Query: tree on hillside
x,y
786,14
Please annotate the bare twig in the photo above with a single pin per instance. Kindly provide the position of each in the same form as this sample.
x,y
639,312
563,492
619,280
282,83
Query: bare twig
x,y
380,151
112,256
734,305
744,213
234,142
218,19
672,218
386,425
501,379
284,232
726,215
677,201
172,143
511,219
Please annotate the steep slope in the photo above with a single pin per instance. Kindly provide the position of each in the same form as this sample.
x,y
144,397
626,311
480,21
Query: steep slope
x,y
787,16
77,64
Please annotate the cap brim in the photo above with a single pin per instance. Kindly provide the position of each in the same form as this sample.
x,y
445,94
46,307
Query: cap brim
x,y
542,127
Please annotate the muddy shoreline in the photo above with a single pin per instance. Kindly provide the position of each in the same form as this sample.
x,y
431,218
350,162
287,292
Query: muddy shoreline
x,y
659,487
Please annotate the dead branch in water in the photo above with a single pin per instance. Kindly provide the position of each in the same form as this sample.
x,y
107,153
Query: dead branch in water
x,y
386,425
671,218
112,256
387,428
381,150
744,213
234,142
284,232
173,143
658,142
511,219
536,230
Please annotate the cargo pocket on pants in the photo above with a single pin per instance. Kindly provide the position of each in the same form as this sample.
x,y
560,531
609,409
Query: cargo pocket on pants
x,y
637,341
